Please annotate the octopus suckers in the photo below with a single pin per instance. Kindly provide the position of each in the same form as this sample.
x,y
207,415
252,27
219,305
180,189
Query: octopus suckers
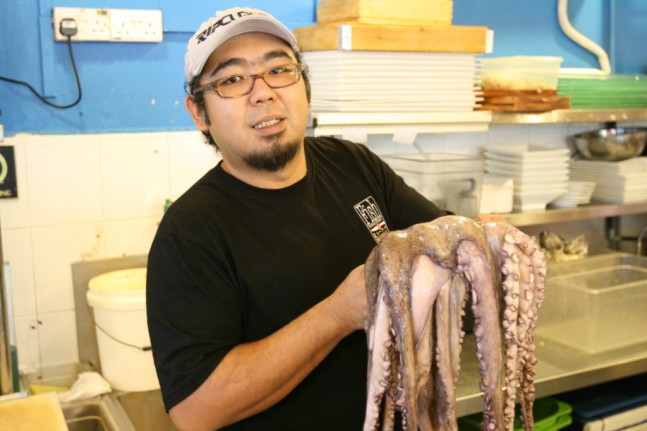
x,y
496,265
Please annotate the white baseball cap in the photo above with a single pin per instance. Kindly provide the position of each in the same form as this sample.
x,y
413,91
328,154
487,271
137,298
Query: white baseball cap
x,y
225,25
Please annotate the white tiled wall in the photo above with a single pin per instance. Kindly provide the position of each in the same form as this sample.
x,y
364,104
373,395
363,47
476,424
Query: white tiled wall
x,y
83,197
89,197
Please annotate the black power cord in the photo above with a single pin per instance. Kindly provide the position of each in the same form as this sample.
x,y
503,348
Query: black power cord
x,y
68,28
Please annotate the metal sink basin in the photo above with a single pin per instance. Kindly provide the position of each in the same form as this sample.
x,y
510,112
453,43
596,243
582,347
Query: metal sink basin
x,y
103,413
597,303
113,411
146,410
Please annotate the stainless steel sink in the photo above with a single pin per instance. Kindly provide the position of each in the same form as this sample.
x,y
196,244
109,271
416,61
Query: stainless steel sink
x,y
146,410
103,413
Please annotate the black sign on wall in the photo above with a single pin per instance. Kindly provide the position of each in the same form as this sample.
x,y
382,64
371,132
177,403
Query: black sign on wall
x,y
8,183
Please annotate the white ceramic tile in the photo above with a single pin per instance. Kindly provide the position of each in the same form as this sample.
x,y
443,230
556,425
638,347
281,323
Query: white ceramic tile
x,y
55,249
129,237
134,174
189,158
57,336
14,212
26,330
64,179
17,251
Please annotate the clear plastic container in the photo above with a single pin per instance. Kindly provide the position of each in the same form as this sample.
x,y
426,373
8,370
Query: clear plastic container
x,y
597,303
520,73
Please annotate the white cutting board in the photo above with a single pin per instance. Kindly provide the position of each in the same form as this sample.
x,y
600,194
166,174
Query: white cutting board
x,y
34,413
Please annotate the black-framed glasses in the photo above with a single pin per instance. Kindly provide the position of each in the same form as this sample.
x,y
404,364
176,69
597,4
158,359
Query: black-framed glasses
x,y
233,86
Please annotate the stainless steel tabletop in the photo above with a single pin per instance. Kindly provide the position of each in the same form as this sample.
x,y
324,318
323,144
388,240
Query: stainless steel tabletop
x,y
560,369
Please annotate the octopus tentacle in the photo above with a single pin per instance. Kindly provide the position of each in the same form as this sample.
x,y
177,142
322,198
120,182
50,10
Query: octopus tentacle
x,y
428,279
379,341
511,286
458,299
417,284
444,409
538,266
485,306
395,269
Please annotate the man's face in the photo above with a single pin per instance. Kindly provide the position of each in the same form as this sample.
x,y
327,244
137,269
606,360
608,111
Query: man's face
x,y
265,128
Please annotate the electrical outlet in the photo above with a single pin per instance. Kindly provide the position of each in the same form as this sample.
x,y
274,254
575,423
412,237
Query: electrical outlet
x,y
110,25
92,24
135,25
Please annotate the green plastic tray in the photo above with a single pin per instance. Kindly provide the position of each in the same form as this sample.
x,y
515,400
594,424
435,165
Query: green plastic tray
x,y
550,415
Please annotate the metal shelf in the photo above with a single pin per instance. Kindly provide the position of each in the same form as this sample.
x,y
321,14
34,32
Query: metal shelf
x,y
594,210
571,116
342,123
338,123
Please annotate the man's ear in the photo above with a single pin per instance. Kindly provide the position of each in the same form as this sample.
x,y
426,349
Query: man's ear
x,y
197,115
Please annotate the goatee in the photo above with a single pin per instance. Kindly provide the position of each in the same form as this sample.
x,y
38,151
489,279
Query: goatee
x,y
275,158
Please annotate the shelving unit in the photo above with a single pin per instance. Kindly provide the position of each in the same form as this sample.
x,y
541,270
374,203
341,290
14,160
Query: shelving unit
x,y
340,123
585,212
572,116
324,123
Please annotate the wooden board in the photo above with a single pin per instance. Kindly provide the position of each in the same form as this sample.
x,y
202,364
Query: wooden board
x,y
364,37
523,100
410,12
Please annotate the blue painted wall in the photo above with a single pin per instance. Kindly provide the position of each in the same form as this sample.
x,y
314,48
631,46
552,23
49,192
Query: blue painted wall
x,y
139,86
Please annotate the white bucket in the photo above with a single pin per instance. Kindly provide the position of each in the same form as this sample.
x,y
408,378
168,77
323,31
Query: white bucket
x,y
119,302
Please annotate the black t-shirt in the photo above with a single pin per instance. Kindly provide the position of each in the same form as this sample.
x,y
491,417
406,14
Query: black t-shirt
x,y
233,263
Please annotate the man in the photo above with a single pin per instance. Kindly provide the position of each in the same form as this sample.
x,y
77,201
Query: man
x,y
256,297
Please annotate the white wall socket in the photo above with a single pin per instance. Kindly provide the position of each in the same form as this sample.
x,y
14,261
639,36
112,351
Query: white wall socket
x,y
110,25
92,24
132,25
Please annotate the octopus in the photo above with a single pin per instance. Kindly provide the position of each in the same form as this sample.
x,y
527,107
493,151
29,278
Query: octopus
x,y
418,282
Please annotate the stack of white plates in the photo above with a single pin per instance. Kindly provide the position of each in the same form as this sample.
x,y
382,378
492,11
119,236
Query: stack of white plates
x,y
540,173
376,81
617,182
579,193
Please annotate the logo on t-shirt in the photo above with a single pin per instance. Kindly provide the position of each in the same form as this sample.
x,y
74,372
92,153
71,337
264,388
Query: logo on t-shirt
x,y
372,217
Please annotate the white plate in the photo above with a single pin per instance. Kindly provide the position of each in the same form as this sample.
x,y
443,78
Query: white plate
x,y
530,157
530,166
562,160
526,151
534,202
530,177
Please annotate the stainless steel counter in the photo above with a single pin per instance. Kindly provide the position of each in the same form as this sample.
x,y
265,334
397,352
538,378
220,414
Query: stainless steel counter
x,y
560,369
582,212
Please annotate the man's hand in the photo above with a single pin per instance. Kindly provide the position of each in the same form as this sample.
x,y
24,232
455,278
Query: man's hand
x,y
350,299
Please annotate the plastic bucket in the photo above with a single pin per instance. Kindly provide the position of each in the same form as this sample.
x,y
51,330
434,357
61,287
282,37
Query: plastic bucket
x,y
119,302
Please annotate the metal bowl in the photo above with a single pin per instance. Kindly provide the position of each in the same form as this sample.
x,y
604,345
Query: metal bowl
x,y
611,144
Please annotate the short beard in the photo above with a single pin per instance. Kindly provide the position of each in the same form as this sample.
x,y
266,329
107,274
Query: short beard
x,y
275,158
